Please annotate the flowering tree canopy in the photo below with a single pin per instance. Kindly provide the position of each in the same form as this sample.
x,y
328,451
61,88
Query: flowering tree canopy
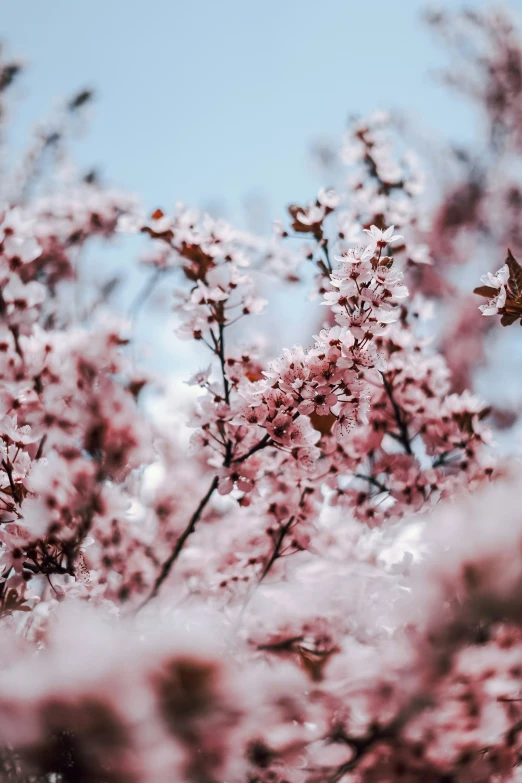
x,y
310,571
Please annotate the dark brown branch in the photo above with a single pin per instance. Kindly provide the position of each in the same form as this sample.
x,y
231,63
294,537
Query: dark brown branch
x,y
281,535
41,447
167,565
401,423
361,745
327,256
265,441
283,530
16,337
9,470
371,480
286,645
219,349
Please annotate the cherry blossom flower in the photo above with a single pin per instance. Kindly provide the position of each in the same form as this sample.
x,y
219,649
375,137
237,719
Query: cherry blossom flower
x,y
381,238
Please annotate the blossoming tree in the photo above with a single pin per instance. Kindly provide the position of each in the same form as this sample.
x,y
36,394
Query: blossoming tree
x,y
325,583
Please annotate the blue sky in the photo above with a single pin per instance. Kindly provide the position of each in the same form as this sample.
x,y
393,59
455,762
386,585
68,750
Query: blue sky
x,y
210,101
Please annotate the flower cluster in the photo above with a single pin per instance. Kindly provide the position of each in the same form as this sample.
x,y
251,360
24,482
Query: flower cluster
x,y
300,569
366,409
503,292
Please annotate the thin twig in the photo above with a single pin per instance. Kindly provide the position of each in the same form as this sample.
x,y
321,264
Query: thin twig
x,y
9,470
167,565
401,424
41,446
16,337
372,480
277,547
327,256
265,441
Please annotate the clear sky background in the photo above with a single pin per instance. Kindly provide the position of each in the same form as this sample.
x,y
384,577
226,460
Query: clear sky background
x,y
213,101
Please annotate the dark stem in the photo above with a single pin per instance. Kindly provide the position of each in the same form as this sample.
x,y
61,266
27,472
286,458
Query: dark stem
x,y
265,441
221,356
388,733
167,565
9,470
220,350
16,337
5,575
327,256
277,547
41,446
401,424
371,480
283,530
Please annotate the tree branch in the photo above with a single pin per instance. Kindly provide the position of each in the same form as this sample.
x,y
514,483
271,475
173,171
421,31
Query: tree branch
x,y
167,565
401,424
265,441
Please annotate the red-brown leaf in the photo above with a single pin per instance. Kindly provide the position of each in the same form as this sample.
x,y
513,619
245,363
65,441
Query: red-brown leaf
x,y
508,319
486,290
515,275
